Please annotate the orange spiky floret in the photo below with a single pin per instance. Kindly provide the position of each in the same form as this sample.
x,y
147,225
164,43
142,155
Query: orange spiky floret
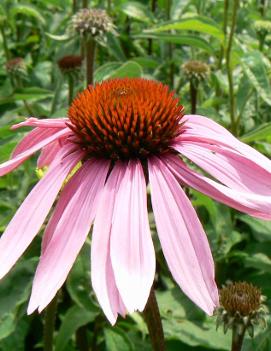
x,y
126,118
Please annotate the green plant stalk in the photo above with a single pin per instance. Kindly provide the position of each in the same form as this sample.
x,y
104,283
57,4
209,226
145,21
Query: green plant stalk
x,y
74,6
5,44
193,96
85,4
90,46
225,25
71,85
170,47
56,95
229,67
49,325
237,339
153,8
82,339
152,317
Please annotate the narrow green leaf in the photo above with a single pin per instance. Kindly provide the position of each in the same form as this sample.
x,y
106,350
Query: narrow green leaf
x,y
137,11
255,70
27,10
74,318
117,340
197,24
188,40
260,133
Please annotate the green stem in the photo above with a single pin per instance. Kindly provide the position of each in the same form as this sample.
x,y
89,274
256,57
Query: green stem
x,y
70,82
49,325
74,6
85,4
82,339
229,67
170,47
237,339
56,95
90,56
5,44
193,97
153,319
153,8
225,25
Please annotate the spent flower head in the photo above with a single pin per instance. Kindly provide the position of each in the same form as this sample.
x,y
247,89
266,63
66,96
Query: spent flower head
x,y
92,23
16,66
70,65
196,70
262,27
241,307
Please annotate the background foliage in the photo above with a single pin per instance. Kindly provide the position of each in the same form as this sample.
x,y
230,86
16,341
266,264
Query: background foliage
x,y
154,40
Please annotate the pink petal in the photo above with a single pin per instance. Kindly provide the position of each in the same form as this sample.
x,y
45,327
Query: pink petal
x,y
202,129
32,138
10,165
42,123
228,166
48,153
131,248
70,232
183,240
102,276
28,219
255,205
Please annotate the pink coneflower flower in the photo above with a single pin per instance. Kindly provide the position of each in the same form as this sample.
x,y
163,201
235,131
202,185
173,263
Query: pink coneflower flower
x,y
127,133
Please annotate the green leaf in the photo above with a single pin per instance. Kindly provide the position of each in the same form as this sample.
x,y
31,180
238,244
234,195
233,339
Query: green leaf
x,y
7,325
29,11
117,70
130,69
62,37
258,261
198,24
31,93
260,133
187,40
117,340
261,230
74,318
255,70
137,11
15,287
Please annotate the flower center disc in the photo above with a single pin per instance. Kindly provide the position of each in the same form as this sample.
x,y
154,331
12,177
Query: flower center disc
x,y
126,118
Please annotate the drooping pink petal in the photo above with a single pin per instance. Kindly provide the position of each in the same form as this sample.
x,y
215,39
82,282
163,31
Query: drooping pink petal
x,y
32,138
48,153
228,166
255,205
102,276
30,216
70,232
182,238
42,123
202,129
131,248
10,165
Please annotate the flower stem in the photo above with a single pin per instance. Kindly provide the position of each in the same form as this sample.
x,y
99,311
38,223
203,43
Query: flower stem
x,y
153,319
237,339
90,55
193,96
49,325
229,67
85,4
5,45
225,25
82,339
70,82
153,8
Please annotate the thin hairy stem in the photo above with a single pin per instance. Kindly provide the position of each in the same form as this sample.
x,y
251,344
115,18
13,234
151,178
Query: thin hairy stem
x,y
90,57
153,319
49,325
193,96
229,67
237,339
